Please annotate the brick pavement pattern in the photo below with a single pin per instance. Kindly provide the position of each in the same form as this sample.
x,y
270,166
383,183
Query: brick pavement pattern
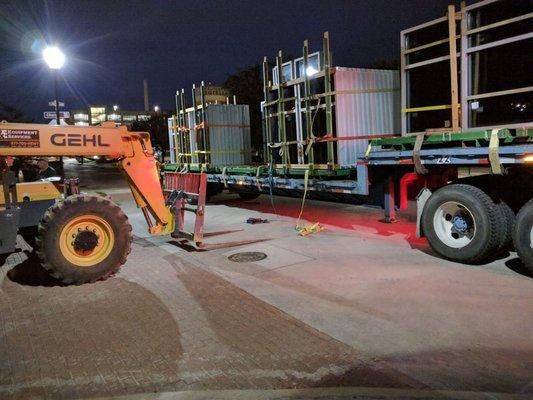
x,y
160,324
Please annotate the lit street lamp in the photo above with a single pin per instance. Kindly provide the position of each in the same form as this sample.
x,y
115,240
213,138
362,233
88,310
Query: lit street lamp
x,y
115,107
156,108
55,60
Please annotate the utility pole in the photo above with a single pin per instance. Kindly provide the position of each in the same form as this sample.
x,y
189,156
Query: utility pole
x,y
56,97
146,104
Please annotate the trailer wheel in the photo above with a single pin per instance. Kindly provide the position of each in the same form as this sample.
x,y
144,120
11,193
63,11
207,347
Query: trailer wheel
x,y
523,235
83,239
462,223
509,220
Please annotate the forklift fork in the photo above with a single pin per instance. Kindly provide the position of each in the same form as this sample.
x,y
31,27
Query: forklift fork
x,y
187,192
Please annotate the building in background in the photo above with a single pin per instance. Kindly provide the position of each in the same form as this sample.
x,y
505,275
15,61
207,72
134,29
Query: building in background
x,y
96,114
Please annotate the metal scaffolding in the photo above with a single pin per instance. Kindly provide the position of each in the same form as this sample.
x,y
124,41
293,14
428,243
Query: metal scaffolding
x,y
465,47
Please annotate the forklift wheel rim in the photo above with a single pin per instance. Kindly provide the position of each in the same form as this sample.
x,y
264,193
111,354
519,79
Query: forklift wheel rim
x,y
88,257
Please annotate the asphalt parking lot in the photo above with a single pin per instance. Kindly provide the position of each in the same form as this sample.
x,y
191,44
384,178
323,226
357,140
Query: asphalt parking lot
x,y
360,309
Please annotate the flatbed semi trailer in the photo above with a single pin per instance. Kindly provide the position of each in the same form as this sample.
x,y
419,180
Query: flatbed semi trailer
x,y
473,190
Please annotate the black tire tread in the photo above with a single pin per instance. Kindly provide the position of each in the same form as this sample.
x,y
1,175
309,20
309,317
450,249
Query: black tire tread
x,y
521,229
494,216
48,226
509,220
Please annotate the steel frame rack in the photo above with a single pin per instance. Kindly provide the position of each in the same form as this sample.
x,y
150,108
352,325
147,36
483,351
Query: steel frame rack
x,y
459,107
179,128
276,106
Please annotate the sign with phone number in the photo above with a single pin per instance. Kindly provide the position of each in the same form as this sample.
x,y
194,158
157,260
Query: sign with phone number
x,y
17,138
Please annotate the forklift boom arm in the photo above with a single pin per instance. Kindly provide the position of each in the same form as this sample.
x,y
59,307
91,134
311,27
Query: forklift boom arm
x,y
133,149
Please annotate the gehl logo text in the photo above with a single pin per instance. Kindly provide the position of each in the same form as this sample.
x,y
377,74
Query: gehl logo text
x,y
77,140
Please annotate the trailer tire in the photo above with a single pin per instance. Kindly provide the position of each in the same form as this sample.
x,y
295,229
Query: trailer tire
x,y
523,235
83,239
462,223
508,220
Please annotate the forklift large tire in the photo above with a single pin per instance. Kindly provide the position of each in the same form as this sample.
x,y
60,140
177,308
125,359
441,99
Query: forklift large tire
x,y
83,239
462,223
523,235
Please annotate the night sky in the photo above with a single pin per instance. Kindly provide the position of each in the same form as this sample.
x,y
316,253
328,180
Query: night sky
x,y
111,46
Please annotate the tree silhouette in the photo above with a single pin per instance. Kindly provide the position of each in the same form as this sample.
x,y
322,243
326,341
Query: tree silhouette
x,y
156,126
11,114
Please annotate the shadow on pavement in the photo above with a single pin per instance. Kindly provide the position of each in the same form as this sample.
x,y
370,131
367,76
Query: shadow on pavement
x,y
31,273
517,266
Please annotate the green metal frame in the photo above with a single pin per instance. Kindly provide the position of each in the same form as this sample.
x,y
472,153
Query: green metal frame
x,y
277,108
251,170
450,139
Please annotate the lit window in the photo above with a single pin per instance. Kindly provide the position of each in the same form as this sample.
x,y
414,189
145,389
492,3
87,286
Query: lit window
x,y
97,115
113,117
81,117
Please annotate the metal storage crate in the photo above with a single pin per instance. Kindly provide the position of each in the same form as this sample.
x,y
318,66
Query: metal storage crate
x,y
228,127
210,134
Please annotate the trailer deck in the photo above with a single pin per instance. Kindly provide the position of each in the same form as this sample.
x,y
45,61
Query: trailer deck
x,y
461,149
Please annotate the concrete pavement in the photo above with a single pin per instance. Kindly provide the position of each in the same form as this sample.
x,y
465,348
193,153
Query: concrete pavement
x,y
361,304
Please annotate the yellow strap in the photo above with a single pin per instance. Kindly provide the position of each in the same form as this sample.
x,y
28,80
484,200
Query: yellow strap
x,y
494,155
367,152
427,45
428,108
231,151
306,180
257,183
224,177
310,228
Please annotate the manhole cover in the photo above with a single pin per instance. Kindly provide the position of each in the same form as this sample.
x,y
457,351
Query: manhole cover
x,y
247,256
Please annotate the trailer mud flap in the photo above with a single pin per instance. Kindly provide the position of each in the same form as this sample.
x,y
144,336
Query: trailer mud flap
x,y
421,200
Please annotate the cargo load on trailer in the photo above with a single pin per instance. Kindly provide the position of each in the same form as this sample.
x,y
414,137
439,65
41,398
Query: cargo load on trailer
x,y
453,130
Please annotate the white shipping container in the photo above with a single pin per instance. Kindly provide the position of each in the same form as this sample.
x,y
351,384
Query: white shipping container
x,y
367,102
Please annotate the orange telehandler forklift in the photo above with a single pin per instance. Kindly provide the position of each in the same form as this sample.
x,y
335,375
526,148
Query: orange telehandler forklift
x,y
81,238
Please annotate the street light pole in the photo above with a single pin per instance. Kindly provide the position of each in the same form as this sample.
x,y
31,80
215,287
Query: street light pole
x,y
58,121
55,59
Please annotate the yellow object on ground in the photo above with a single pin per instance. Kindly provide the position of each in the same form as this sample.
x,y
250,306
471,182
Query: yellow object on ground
x,y
309,228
